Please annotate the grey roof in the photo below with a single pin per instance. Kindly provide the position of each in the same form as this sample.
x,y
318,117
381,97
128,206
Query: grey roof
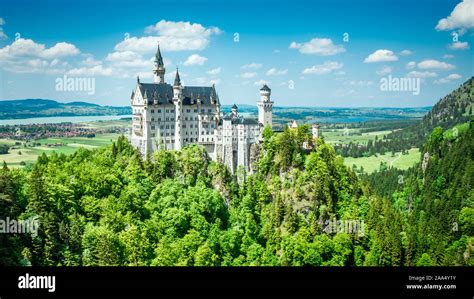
x,y
163,92
240,120
265,87
234,107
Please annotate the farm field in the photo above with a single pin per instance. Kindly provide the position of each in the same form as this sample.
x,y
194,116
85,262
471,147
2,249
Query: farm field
x,y
372,163
28,155
344,136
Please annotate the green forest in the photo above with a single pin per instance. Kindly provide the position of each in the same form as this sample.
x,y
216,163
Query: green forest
x,y
109,206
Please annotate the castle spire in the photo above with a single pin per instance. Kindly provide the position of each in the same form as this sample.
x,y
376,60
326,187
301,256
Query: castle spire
x,y
177,79
159,70
158,57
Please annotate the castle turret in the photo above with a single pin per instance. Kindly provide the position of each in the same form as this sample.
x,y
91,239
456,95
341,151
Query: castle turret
x,y
159,70
265,106
315,130
234,111
178,101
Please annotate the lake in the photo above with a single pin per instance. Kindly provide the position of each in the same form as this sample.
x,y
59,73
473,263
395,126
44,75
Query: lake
x,y
60,119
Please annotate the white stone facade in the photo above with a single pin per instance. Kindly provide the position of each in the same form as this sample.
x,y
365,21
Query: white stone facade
x,y
169,117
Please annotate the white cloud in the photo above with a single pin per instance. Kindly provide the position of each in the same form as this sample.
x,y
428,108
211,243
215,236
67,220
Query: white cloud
x,y
2,34
261,82
172,36
406,52
318,46
448,79
90,61
361,83
381,55
425,74
384,71
448,56
248,75
97,70
324,68
252,65
27,56
411,65
459,45
461,17
435,64
215,71
195,59
275,72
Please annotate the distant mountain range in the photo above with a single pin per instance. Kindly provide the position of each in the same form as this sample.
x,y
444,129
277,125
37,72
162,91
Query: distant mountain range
x,y
31,108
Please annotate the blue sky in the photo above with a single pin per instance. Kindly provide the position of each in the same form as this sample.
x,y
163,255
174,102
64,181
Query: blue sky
x,y
321,53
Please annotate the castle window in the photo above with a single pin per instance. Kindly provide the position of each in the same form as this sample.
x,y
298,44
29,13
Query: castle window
x,y
159,110
152,127
191,125
152,111
195,110
209,110
167,110
159,118
188,111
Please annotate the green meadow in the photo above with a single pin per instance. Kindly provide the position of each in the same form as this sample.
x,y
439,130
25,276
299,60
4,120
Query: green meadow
x,y
372,163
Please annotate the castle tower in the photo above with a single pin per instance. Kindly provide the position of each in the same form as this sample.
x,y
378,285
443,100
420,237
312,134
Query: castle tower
x,y
315,130
178,102
265,106
234,111
159,70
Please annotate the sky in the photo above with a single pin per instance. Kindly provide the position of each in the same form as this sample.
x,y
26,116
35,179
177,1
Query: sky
x,y
310,53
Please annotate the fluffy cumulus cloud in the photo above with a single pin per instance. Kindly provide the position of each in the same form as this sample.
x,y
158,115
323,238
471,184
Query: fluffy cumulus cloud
x,y
97,70
195,59
27,56
425,74
406,52
324,68
215,71
384,71
318,46
462,17
448,79
411,65
252,65
381,55
435,64
276,72
172,36
459,45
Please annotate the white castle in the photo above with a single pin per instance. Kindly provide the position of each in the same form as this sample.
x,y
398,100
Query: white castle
x,y
170,117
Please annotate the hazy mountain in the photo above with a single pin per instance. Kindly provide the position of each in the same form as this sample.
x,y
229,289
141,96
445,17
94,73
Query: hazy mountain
x,y
29,108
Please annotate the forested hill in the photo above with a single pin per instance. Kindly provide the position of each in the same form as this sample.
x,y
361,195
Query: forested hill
x,y
435,199
301,206
30,108
455,108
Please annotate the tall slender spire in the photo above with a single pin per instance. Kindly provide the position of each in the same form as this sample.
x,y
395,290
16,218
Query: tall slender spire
x,y
159,70
177,79
158,57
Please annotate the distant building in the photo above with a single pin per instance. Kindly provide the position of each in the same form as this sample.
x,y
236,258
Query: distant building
x,y
170,117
